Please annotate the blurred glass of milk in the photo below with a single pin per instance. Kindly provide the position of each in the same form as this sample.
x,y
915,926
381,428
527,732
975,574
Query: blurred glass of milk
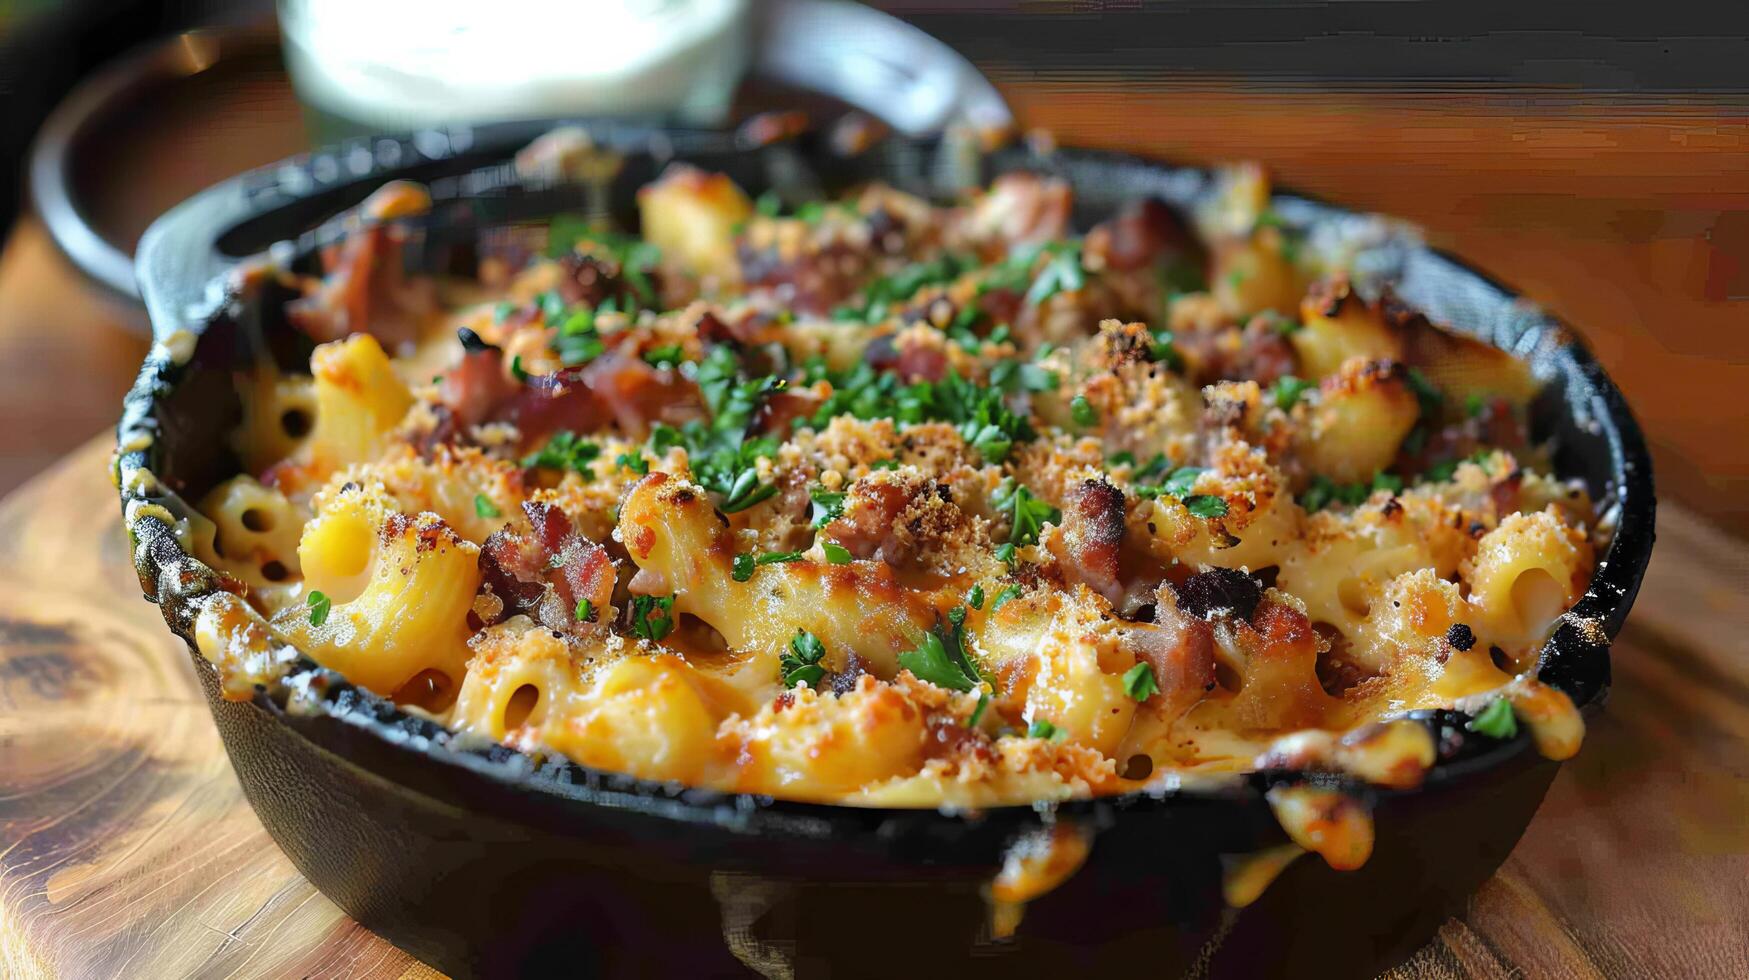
x,y
364,65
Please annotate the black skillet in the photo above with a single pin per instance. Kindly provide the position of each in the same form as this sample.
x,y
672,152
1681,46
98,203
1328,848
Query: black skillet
x,y
483,865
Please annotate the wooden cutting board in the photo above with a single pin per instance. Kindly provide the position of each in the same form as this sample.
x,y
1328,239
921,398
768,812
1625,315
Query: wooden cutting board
x,y
127,850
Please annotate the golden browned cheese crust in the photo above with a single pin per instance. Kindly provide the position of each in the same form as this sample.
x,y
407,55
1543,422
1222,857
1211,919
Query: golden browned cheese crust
x,y
885,501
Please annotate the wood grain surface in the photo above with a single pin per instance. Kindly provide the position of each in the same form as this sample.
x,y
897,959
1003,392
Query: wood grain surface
x,y
127,850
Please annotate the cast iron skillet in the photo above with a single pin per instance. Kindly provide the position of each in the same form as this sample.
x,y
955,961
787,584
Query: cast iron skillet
x,y
480,863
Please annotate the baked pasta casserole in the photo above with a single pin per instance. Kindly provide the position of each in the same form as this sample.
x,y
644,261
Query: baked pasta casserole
x,y
889,501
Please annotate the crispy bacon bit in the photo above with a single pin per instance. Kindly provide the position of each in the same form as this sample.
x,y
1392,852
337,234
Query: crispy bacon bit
x,y
811,280
614,388
1144,234
1093,530
1181,650
895,519
1261,353
912,355
546,569
366,289
475,389
1022,208
593,279
777,410
1205,593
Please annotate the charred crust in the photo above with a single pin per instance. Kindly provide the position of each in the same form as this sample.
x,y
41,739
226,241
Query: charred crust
x,y
1220,589
1460,636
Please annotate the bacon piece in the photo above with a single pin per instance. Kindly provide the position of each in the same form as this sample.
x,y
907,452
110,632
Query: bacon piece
x,y
639,395
896,519
871,511
1022,208
777,410
1093,530
1144,234
546,569
478,387
1180,649
811,279
592,279
615,388
366,288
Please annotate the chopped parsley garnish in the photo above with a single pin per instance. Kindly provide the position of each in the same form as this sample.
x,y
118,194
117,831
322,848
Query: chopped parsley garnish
x,y
320,605
634,462
1475,406
1138,682
836,553
585,610
668,355
801,662
768,204
744,563
880,296
577,341
564,451
975,598
1286,391
1008,592
1062,274
1177,484
1041,728
1027,512
1324,491
650,616
1125,458
1005,552
828,505
484,507
1012,376
517,371
940,659
1164,352
1082,412
978,712
1496,720
1205,505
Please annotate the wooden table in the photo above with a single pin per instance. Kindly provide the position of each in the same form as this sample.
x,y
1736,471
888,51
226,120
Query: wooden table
x,y
125,848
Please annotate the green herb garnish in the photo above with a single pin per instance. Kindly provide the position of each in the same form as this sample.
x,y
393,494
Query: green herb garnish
x,y
1041,728
801,661
1008,592
1287,390
1027,513
1205,505
1497,720
320,605
650,616
836,553
1082,412
1138,682
484,507
564,451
